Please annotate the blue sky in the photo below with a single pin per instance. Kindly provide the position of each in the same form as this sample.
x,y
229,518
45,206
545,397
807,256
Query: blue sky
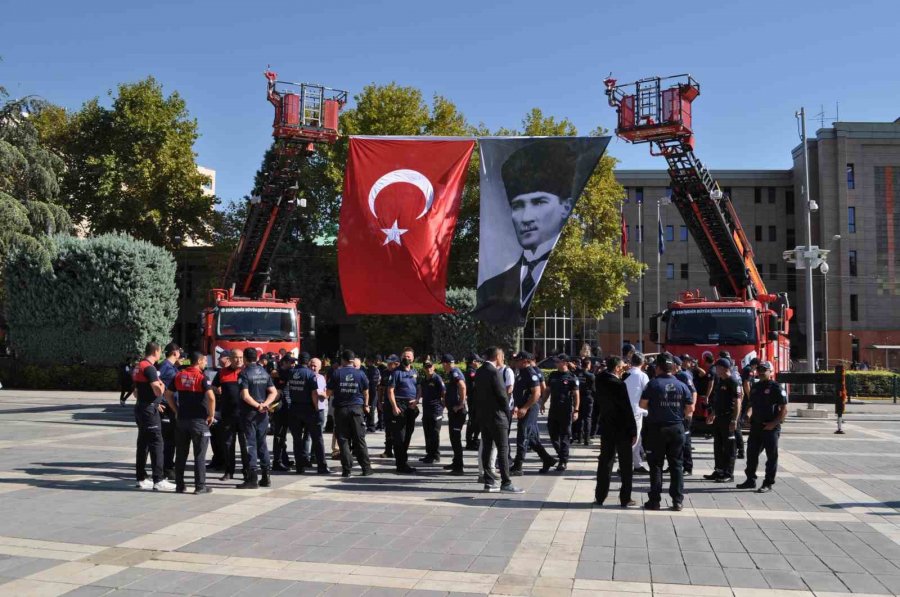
x,y
756,61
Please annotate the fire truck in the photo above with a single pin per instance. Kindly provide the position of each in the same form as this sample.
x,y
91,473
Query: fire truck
x,y
246,312
742,317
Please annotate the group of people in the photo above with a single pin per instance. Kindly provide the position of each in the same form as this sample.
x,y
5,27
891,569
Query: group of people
x,y
638,408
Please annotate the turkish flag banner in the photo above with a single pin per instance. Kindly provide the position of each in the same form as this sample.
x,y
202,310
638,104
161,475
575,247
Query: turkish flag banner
x,y
400,204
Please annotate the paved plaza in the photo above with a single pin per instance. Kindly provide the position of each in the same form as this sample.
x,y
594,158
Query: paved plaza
x,y
73,524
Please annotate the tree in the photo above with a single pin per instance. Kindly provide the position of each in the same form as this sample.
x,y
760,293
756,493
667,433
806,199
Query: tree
x,y
456,332
132,168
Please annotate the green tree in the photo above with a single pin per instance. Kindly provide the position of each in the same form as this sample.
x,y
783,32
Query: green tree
x,y
131,167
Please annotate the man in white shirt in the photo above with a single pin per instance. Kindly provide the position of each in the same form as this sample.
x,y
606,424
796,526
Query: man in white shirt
x,y
635,381
316,366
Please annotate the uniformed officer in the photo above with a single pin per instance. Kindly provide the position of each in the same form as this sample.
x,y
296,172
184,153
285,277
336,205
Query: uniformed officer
x,y
257,395
726,407
685,376
455,400
402,396
586,381
393,361
472,427
619,432
373,373
301,389
526,394
431,394
349,388
768,409
562,390
748,378
148,391
194,414
379,391
168,369
228,391
279,417
668,403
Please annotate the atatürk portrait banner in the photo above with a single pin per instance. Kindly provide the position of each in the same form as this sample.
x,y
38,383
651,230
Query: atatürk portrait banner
x,y
529,187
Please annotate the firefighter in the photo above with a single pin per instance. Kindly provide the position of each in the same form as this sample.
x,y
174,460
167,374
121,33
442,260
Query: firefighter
x,y
168,369
526,395
685,376
280,417
301,388
768,409
562,390
431,395
228,402
348,387
726,408
149,390
195,413
257,395
586,381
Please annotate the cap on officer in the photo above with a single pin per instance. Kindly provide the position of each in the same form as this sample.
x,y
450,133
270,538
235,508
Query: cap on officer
x,y
474,358
304,358
767,365
686,358
724,362
447,358
392,359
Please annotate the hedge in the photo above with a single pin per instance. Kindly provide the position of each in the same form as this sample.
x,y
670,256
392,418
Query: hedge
x,y
15,374
873,384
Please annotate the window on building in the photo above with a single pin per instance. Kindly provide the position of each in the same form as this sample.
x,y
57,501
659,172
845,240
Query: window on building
x,y
626,309
791,238
670,271
773,234
854,307
758,233
683,233
670,233
684,271
789,202
851,220
852,255
639,194
851,177
792,279
757,195
771,191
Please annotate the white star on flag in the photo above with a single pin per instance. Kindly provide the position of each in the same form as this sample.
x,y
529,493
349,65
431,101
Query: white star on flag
x,y
393,234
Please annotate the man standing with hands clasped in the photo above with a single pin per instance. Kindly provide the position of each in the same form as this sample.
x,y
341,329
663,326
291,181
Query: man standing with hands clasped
x,y
257,395
618,432
768,409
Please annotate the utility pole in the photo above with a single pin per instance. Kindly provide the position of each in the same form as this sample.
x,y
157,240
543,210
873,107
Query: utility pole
x,y
810,207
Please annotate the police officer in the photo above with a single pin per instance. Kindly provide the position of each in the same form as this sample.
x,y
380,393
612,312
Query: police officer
x,y
586,381
373,373
387,378
455,400
281,462
257,395
349,388
472,428
301,389
668,403
685,376
149,390
402,396
431,394
726,407
619,432
194,414
562,390
168,369
526,394
768,409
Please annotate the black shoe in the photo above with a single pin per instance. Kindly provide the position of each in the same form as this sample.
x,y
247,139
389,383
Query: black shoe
x,y
713,476
515,472
169,474
251,482
562,466
748,484
226,477
651,506
676,507
180,489
641,471
264,480
598,502
725,479
480,480
586,443
457,472
370,430
278,467
548,464
839,432
740,456
368,472
766,488
510,488
428,460
450,467
324,471
202,490
629,504
345,474
300,470
406,470
688,472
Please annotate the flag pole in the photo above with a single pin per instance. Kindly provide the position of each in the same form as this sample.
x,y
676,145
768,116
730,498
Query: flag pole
x,y
640,305
658,253
624,250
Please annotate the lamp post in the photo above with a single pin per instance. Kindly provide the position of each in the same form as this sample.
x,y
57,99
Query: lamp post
x,y
824,269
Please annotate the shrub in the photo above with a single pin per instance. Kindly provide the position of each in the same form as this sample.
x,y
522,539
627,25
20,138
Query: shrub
x,y
15,374
872,383
455,332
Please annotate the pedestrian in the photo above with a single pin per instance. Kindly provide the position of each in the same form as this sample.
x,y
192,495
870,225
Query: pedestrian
x,y
348,387
726,407
685,376
619,432
431,395
228,390
562,391
279,417
526,395
194,414
373,373
126,384
302,391
149,390
403,400
768,409
257,395
392,362
668,403
168,369
472,428
586,381
636,380
493,418
455,401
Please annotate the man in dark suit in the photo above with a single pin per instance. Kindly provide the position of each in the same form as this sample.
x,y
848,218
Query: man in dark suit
x,y
618,431
493,415
539,186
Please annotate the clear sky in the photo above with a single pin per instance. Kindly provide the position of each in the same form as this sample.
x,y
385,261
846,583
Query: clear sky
x,y
757,62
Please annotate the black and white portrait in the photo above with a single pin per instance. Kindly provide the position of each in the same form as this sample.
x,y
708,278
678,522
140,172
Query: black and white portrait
x,y
529,187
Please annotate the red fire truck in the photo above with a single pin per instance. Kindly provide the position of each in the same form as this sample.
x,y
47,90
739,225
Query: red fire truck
x,y
742,318
246,312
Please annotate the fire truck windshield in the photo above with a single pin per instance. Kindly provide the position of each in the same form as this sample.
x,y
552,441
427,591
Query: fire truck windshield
x,y
256,323
712,326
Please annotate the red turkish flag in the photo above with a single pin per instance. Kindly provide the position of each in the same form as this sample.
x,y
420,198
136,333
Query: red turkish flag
x,y
401,199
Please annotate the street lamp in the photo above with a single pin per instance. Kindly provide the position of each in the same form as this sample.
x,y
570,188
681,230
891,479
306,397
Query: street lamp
x,y
824,269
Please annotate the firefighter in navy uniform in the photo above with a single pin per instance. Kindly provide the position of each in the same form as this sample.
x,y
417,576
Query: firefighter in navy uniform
x,y
279,417
726,408
768,409
228,403
349,387
392,362
402,400
373,373
586,381
301,389
194,413
257,395
684,375
148,391
431,394
472,428
526,395
562,390
168,369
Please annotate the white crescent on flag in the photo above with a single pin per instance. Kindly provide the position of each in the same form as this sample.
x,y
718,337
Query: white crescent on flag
x,y
412,177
